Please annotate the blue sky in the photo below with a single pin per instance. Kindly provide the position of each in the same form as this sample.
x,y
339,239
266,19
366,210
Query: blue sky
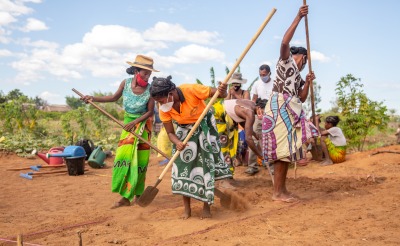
x,y
49,47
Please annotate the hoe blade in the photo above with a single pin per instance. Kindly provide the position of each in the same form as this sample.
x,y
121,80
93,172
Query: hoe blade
x,y
148,196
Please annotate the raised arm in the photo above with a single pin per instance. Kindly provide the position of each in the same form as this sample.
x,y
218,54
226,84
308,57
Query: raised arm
x,y
285,45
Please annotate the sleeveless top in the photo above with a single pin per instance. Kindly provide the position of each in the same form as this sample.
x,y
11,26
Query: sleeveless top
x,y
229,106
134,103
241,96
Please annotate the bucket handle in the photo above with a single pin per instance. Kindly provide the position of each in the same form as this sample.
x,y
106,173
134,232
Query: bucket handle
x,y
95,154
91,144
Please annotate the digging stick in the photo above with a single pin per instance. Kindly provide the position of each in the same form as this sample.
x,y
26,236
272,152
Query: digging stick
x,y
317,151
122,125
151,191
310,69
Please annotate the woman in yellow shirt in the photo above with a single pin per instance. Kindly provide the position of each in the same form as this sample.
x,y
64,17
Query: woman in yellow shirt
x,y
200,162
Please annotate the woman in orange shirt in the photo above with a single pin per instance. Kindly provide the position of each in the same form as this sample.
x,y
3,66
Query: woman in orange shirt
x,y
200,162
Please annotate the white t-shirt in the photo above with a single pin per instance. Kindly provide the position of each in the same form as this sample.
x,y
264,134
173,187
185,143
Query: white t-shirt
x,y
336,136
261,89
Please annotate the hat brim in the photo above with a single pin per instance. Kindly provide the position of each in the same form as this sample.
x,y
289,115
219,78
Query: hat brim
x,y
242,81
140,66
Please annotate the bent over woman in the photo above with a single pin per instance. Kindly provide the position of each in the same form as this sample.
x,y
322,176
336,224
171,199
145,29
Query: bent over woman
x,y
201,161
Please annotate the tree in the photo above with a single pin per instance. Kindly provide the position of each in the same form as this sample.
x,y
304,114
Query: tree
x,y
16,94
361,114
39,102
317,99
3,97
74,102
393,116
212,75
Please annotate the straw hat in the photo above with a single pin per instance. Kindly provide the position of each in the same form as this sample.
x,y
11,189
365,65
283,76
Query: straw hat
x,y
144,62
237,78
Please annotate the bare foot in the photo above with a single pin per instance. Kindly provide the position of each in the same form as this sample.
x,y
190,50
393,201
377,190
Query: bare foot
x,y
121,203
287,194
187,214
206,211
326,162
135,200
285,198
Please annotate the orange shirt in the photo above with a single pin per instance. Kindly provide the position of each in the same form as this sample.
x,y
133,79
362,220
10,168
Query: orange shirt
x,y
192,107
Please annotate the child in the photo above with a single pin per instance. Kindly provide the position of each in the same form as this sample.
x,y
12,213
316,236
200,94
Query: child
x,y
333,142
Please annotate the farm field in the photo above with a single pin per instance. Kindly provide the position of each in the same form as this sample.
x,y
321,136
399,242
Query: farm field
x,y
353,203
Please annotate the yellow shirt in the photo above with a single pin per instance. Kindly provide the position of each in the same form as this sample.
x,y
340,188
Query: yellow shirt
x,y
192,107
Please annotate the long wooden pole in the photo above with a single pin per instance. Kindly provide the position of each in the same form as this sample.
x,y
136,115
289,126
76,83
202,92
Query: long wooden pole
x,y
214,98
317,151
122,125
310,70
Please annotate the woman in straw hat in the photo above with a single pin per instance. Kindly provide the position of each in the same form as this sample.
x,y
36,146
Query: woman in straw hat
x,y
236,91
285,127
132,155
200,162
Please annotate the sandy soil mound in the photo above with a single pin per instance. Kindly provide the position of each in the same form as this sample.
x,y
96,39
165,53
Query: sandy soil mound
x,y
353,203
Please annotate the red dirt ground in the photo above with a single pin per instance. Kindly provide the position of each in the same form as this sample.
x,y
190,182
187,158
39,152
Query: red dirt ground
x,y
353,203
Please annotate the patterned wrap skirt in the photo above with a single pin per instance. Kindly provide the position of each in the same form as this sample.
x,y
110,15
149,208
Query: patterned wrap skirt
x,y
200,163
131,159
336,153
285,128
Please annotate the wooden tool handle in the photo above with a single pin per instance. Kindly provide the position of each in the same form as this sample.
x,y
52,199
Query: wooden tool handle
x,y
119,123
315,121
214,98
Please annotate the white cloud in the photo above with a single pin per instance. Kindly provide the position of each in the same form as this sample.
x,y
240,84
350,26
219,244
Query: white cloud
x,y
15,8
194,54
34,25
176,33
6,18
187,78
102,53
37,44
48,96
318,56
3,34
32,1
4,52
119,37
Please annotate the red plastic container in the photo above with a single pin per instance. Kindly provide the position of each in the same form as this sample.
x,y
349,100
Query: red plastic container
x,y
53,160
